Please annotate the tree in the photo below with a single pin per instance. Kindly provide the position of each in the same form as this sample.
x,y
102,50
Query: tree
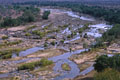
x,y
104,62
85,35
101,63
45,15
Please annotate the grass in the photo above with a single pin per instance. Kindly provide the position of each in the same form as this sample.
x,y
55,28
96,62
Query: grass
x,y
7,54
11,78
39,33
84,66
66,67
6,43
5,37
32,65
28,34
108,74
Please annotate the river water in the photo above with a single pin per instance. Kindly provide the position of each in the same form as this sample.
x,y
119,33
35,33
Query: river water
x,y
61,59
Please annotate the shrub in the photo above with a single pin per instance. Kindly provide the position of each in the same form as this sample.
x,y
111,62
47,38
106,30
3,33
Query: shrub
x,y
45,45
5,37
32,65
107,74
53,43
62,41
45,15
39,33
104,62
7,56
27,34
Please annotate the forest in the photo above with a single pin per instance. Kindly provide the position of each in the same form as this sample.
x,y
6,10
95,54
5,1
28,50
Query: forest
x,y
29,14
112,15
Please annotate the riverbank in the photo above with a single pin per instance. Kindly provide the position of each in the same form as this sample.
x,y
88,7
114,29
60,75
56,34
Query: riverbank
x,y
62,43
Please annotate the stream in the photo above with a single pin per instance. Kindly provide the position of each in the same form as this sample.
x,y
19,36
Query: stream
x,y
59,60
64,58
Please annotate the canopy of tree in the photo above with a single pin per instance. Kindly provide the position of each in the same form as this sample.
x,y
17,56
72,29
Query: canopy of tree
x,y
29,15
111,15
104,62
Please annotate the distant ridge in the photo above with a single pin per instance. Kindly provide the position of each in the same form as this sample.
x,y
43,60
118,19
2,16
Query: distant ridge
x,y
85,1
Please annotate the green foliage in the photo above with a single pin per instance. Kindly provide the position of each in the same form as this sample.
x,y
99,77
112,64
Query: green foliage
x,y
104,62
6,43
85,35
6,54
111,15
112,34
32,65
5,37
53,43
31,27
39,33
66,67
45,15
86,26
107,74
45,45
29,15
85,45
27,34
62,41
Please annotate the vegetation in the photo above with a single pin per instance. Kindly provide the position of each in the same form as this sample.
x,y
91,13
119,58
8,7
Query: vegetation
x,y
85,45
53,43
31,27
5,37
111,15
29,15
32,65
46,15
107,74
45,44
66,67
104,62
112,34
86,26
39,33
27,34
6,54
6,43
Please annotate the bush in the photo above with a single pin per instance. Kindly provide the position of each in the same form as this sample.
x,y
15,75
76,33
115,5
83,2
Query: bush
x,y
62,41
7,56
27,34
45,45
5,37
45,15
37,32
104,62
53,43
108,74
32,65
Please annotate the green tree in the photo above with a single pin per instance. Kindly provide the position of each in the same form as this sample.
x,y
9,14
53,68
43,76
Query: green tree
x,y
45,15
104,62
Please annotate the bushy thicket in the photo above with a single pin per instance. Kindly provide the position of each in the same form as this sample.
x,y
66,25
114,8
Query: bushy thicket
x,y
104,62
29,15
111,15
45,15
32,65
107,74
